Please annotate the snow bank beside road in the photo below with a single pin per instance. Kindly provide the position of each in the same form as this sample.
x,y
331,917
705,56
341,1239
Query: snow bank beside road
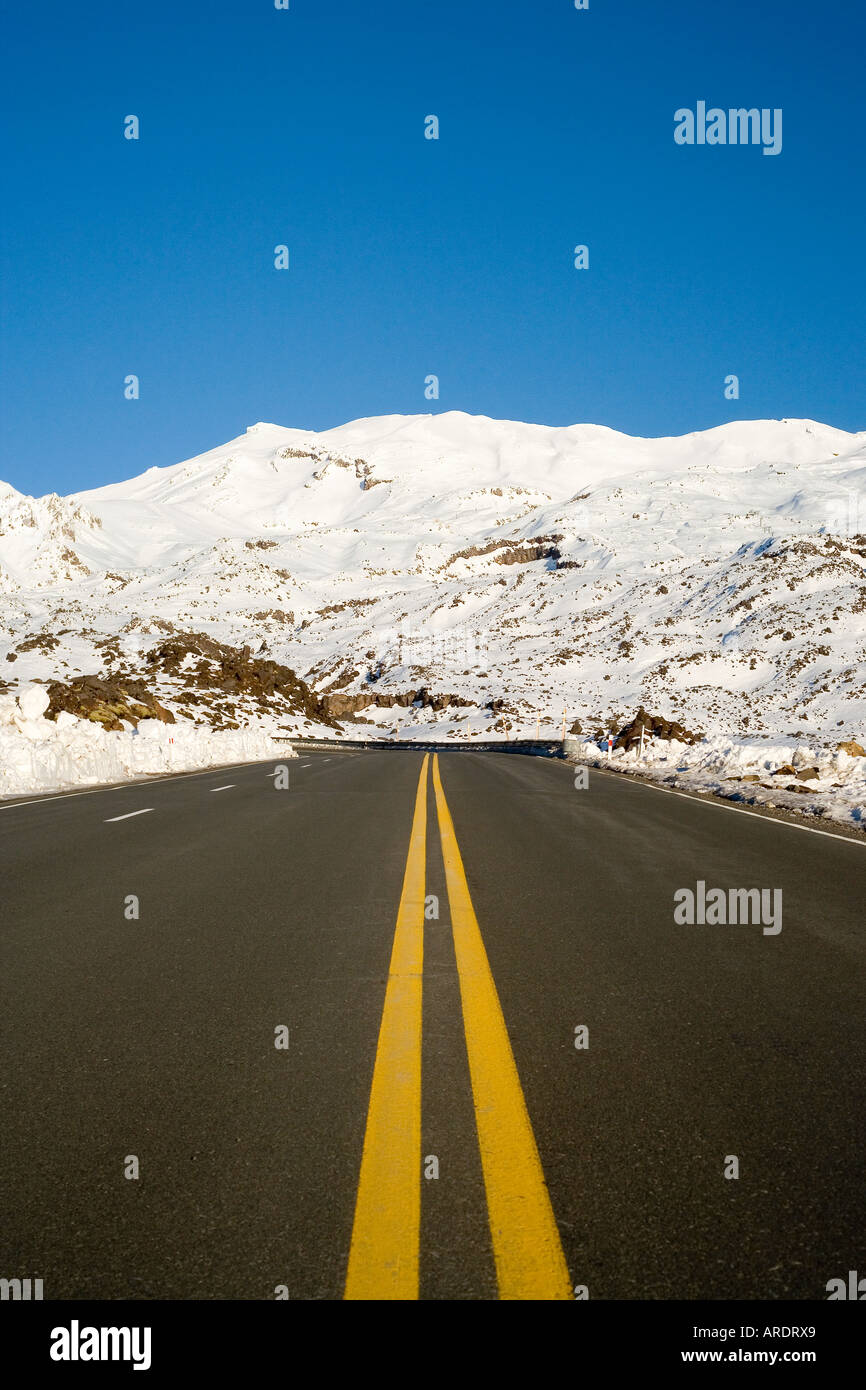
x,y
38,755
828,784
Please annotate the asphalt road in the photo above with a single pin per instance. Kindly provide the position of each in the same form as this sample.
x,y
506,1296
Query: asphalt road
x,y
262,907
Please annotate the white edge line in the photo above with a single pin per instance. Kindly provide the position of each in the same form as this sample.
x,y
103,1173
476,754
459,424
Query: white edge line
x,y
227,788
717,806
137,782
143,812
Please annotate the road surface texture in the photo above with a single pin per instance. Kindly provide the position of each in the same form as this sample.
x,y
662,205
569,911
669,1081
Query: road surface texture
x,y
429,1127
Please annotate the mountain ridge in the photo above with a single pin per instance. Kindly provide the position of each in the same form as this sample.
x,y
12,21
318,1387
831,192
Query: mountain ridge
x,y
522,568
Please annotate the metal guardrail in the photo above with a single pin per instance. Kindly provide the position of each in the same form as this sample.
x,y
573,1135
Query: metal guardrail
x,y
548,748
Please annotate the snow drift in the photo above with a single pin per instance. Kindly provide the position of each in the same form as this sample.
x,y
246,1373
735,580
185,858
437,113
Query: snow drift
x,y
38,756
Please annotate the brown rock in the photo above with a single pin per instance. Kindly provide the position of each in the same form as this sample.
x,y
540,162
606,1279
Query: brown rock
x,y
656,725
234,671
339,706
105,701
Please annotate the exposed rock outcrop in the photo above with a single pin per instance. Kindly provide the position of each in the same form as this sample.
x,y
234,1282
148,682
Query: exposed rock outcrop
x,y
206,666
338,705
105,701
656,725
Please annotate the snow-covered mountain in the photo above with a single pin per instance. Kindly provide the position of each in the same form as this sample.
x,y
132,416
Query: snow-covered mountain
x,y
718,577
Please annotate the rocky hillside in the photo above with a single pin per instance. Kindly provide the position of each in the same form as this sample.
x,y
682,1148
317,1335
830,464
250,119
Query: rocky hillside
x,y
467,574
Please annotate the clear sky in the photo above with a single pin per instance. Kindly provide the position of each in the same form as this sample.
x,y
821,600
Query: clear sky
x,y
409,256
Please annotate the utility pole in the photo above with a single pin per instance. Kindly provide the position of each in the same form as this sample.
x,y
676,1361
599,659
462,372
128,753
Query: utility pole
x,y
563,724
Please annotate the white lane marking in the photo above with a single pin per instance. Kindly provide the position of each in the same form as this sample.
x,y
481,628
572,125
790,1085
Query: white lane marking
x,y
136,782
228,786
129,814
737,810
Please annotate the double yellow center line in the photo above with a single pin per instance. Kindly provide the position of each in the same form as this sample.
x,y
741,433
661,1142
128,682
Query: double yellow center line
x,y
384,1256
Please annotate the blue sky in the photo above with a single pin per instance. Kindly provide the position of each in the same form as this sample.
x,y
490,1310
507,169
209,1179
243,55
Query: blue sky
x,y
412,257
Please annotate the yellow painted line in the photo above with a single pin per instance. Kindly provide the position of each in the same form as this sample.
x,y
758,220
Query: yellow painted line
x,y
383,1256
530,1263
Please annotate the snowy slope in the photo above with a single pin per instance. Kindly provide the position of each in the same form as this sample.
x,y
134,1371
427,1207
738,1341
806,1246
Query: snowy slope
x,y
719,577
